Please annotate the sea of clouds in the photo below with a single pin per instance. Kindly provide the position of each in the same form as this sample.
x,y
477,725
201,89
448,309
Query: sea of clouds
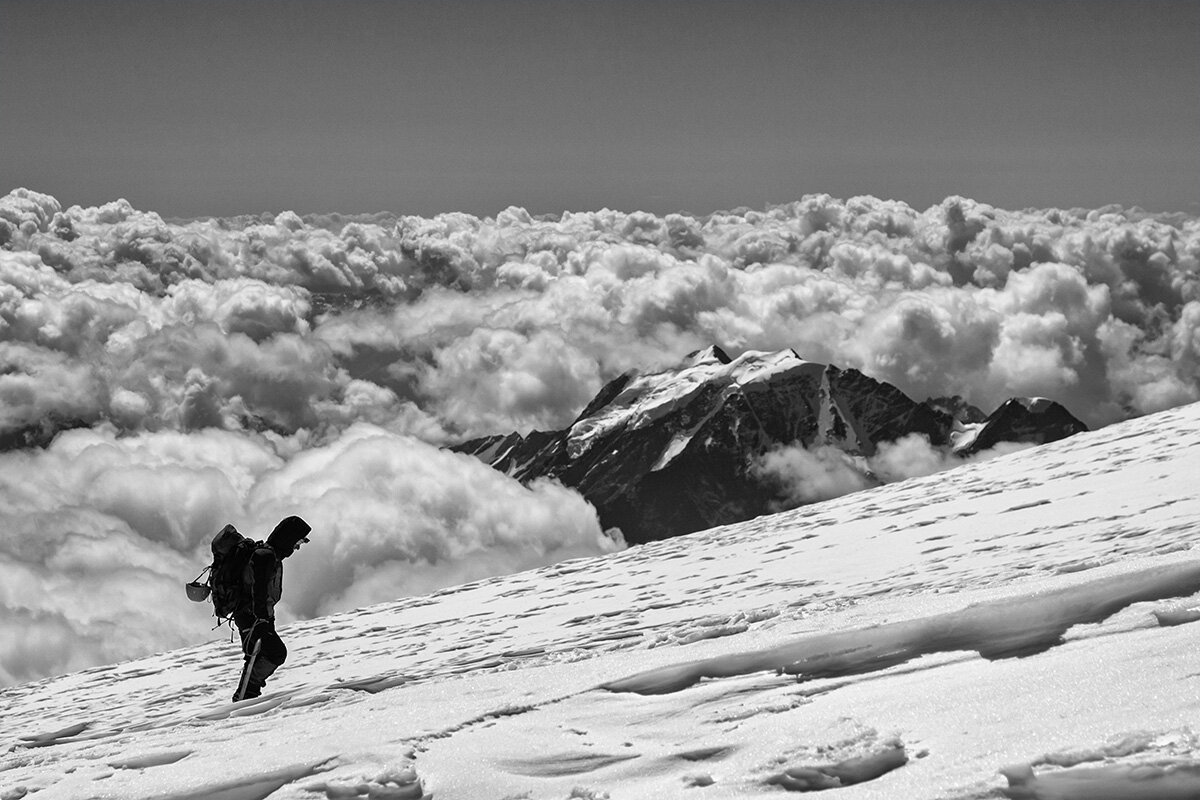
x,y
176,375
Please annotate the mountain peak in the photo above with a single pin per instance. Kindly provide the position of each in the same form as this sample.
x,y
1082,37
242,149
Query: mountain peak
x,y
675,450
1034,405
693,391
712,354
1030,420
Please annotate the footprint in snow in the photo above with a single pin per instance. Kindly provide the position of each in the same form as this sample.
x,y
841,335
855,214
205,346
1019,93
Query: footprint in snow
x,y
560,764
713,753
809,778
394,783
373,684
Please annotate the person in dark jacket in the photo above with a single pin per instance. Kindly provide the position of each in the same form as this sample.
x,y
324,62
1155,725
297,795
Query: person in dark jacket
x,y
256,618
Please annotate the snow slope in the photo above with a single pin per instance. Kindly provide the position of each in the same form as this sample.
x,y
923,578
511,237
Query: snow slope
x,y
1009,628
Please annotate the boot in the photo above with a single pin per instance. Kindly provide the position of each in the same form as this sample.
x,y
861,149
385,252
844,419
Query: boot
x,y
259,673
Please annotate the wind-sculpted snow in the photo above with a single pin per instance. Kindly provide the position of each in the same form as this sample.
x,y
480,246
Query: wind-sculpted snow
x,y
1145,782
1018,627
1007,628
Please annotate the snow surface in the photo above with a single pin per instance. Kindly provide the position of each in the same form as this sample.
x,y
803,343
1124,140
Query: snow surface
x,y
1013,628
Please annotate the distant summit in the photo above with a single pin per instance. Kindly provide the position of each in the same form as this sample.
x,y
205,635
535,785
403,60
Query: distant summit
x,y
1020,419
666,453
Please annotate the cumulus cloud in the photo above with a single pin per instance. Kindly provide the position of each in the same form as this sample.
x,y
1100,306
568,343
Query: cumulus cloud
x,y
397,516
296,330
805,476
913,456
99,532
445,314
809,475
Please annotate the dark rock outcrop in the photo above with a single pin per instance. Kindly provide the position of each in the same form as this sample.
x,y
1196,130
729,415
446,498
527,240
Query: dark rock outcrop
x,y
1024,420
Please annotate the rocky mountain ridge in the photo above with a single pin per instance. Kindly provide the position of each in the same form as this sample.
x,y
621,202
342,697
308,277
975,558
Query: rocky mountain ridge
x,y
665,453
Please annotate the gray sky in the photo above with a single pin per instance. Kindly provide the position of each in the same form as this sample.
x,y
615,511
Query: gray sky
x,y
198,108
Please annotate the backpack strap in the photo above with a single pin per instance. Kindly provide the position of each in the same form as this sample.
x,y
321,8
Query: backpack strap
x,y
262,565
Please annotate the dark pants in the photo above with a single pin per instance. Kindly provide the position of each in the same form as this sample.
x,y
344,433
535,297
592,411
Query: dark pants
x,y
271,654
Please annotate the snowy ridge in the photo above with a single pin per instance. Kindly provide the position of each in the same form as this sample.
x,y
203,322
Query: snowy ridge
x,y
650,397
1014,628
750,372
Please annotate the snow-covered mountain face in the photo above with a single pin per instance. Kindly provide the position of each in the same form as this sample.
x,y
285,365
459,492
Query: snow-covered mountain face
x,y
676,451
1011,628
1019,419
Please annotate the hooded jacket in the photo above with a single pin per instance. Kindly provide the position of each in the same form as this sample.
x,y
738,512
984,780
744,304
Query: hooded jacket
x,y
266,565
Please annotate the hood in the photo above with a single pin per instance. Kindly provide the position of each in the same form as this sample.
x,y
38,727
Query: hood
x,y
289,531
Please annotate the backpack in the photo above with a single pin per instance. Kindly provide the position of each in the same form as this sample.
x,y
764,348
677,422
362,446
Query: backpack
x,y
226,581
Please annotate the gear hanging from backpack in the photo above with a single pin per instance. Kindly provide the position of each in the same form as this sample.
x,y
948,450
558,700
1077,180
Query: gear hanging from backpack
x,y
227,582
